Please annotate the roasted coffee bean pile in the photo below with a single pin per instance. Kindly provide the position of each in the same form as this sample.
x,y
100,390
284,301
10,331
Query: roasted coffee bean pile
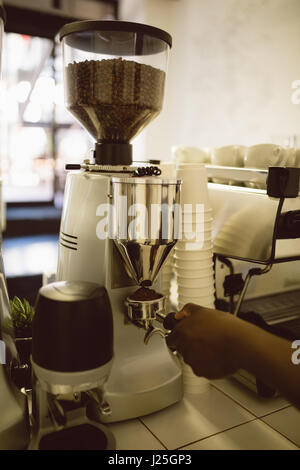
x,y
145,294
114,98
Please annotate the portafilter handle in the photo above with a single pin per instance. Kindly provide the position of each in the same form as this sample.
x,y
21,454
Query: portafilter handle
x,y
169,322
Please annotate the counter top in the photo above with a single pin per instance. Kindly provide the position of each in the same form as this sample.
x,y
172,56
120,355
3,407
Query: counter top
x,y
221,414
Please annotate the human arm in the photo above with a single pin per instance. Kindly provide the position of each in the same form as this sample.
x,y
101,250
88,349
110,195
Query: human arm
x,y
216,344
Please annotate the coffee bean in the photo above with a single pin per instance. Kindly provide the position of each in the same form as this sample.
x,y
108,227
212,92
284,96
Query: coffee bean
x,y
114,98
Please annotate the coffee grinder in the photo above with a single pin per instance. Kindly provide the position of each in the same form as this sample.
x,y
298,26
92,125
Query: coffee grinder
x,y
120,221
72,354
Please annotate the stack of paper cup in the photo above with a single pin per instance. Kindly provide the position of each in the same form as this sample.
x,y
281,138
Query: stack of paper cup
x,y
166,278
193,252
193,258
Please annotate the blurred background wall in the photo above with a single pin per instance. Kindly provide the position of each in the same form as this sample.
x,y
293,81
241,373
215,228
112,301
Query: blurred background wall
x,y
231,71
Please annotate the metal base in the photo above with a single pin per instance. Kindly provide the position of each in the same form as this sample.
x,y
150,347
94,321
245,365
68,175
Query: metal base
x,y
144,378
143,385
46,427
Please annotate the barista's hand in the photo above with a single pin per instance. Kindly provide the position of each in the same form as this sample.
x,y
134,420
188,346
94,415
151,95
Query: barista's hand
x,y
216,344
206,340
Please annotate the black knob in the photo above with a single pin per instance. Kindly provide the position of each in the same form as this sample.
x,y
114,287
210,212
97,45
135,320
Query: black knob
x,y
73,166
170,321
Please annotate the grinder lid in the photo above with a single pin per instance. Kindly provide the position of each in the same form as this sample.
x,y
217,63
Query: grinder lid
x,y
80,33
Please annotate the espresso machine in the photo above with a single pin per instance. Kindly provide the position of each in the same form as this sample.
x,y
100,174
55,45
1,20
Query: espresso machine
x,y
120,220
256,238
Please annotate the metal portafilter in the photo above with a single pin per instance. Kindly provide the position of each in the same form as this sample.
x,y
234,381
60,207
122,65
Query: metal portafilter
x,y
143,312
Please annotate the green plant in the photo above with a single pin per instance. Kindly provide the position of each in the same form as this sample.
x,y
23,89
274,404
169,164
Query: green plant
x,y
22,314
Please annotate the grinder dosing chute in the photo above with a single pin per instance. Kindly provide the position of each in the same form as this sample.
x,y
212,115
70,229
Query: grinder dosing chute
x,y
145,227
114,78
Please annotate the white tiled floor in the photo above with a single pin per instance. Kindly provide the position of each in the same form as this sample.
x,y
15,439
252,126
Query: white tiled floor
x,y
250,436
197,416
287,422
221,415
133,435
259,406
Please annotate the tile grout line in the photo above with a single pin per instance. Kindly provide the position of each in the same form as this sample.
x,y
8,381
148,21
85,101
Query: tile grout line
x,y
255,418
262,416
279,432
276,411
142,422
235,401
252,412
259,417
219,432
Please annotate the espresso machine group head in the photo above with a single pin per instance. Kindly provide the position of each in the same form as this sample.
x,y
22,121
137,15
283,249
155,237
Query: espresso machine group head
x,y
119,220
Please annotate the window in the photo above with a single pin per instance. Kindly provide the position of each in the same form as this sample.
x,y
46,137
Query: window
x,y
38,135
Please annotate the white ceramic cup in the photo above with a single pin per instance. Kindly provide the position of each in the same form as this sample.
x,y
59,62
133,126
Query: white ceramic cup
x,y
290,156
229,155
264,155
297,157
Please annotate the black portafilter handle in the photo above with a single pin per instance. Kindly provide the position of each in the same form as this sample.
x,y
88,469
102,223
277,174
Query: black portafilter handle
x,y
170,321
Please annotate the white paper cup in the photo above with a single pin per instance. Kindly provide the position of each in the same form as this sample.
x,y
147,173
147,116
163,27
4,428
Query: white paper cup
x,y
193,264
203,301
193,246
194,273
194,268
199,238
194,183
195,292
196,216
190,207
200,283
196,226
